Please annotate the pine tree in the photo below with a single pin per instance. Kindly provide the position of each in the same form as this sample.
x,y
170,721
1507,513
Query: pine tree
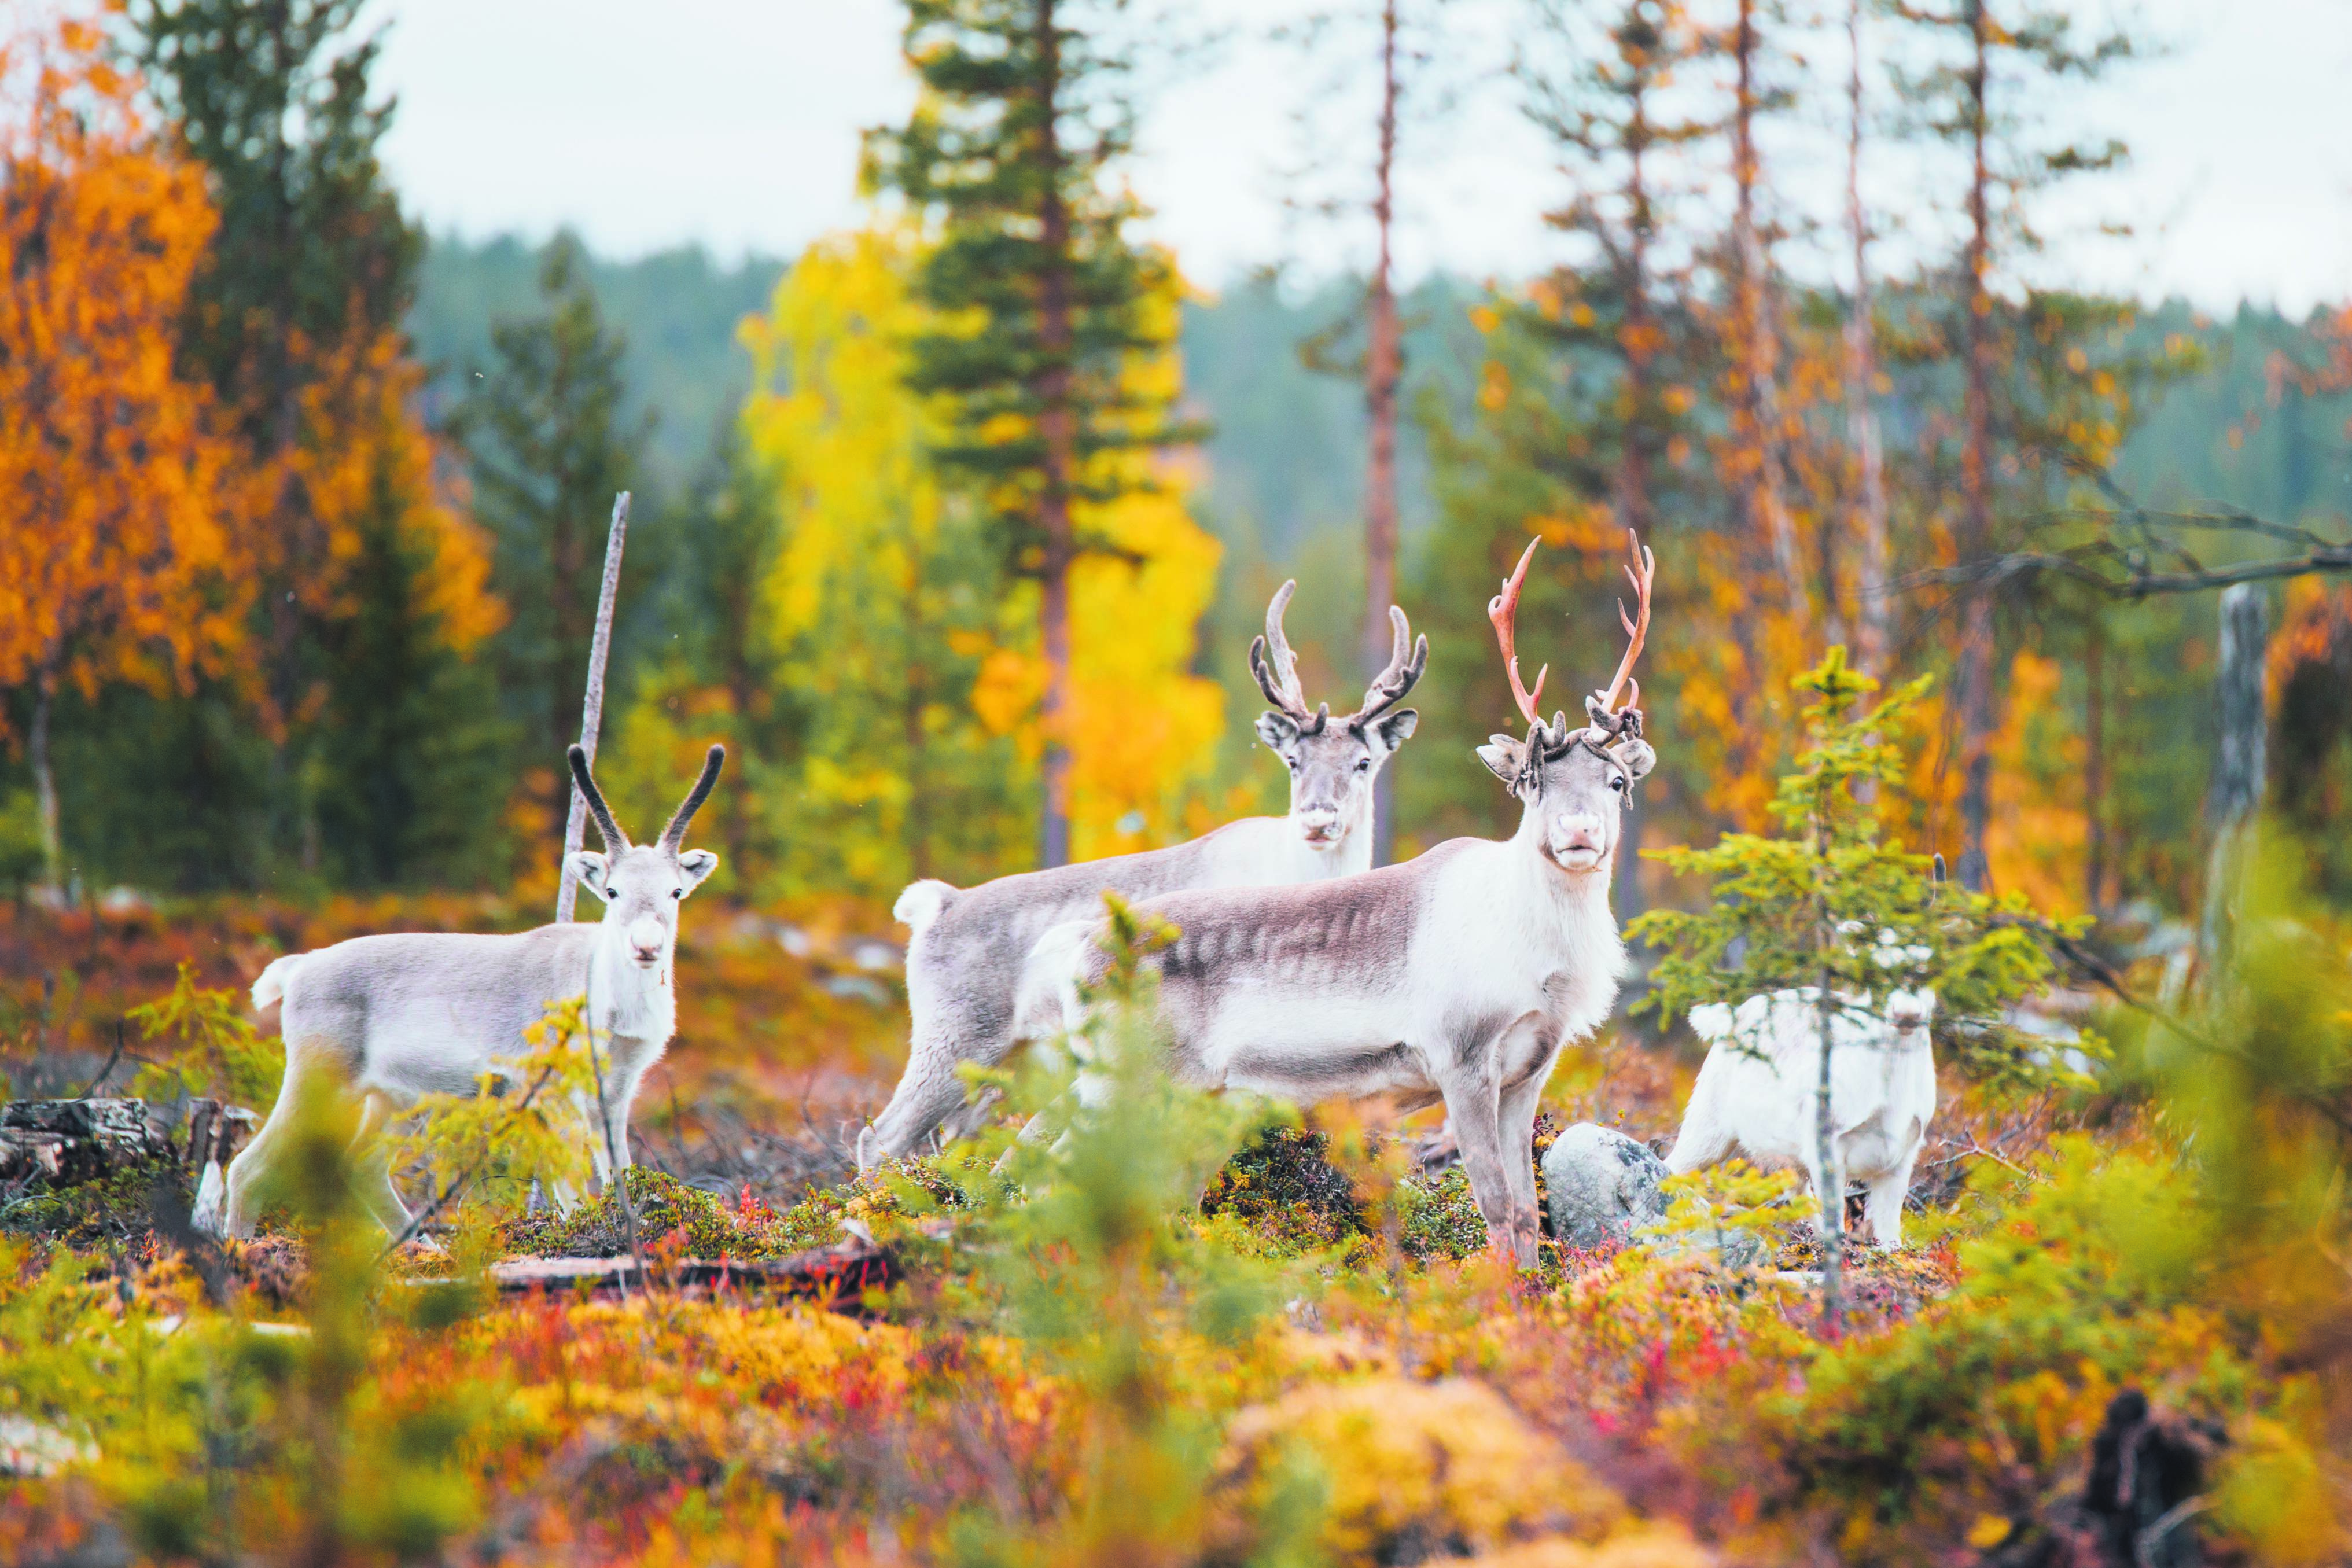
x,y
549,448
1009,150
1608,111
1979,99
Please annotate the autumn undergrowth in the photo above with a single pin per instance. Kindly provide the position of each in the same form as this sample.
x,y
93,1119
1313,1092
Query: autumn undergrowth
x,y
1167,1327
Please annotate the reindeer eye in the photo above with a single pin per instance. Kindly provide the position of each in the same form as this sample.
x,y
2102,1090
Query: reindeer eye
x,y
1363,764
677,892
1618,785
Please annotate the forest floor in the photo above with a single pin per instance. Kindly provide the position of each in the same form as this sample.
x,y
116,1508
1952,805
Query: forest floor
x,y
1089,1361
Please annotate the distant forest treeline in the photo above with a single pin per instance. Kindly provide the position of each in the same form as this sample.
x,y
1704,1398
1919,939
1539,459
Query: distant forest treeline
x,y
1285,465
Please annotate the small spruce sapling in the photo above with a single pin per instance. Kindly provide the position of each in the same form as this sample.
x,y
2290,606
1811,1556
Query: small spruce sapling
x,y
1837,907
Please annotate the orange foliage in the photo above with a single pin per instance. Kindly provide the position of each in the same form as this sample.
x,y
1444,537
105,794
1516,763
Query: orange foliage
x,y
2037,836
119,494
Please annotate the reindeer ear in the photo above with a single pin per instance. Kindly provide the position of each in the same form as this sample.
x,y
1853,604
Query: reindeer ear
x,y
592,870
697,864
1277,730
1505,756
1634,756
1396,728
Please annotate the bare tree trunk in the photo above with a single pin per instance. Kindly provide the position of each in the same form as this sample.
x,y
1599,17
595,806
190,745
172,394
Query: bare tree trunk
x,y
45,782
1057,424
592,707
1832,1187
1872,608
2094,767
2239,765
566,553
1633,462
1976,671
1768,511
1382,370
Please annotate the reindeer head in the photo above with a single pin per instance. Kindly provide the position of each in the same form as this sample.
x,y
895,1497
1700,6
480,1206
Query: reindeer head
x,y
1573,783
1332,765
643,884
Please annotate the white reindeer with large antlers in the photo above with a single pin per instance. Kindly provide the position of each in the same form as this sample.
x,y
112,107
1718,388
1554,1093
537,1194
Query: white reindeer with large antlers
x,y
964,966
1454,977
392,1017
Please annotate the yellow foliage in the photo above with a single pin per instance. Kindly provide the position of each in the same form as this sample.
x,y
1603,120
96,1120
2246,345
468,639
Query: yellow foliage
x,y
918,660
1446,1461
2038,831
1653,1546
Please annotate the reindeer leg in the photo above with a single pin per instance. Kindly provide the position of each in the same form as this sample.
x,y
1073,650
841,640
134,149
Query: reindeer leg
x,y
373,1173
1518,1105
1473,1103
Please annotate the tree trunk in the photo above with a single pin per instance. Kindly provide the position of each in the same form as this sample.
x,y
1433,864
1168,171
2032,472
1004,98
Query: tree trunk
x,y
1759,403
591,706
1825,1154
2239,764
1055,423
1872,608
1633,463
1383,369
1976,671
2095,768
44,784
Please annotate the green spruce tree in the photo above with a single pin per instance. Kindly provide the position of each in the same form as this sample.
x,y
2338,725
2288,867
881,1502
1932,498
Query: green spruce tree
x,y
296,320
1021,119
549,448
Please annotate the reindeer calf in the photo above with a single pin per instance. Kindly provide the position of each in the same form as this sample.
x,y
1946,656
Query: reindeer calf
x,y
1755,1095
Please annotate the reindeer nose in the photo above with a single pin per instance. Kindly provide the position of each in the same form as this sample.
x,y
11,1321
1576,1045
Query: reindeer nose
x,y
1580,836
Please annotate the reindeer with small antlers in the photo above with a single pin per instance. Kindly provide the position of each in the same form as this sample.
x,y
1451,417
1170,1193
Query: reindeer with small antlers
x,y
1455,977
392,1017
970,946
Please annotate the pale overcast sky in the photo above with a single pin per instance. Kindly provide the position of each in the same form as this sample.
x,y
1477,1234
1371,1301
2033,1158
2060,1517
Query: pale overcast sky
x,y
735,122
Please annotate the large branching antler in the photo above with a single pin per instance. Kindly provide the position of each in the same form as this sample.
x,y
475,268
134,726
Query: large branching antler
x,y
1503,611
615,841
1637,630
1407,659
674,836
1276,667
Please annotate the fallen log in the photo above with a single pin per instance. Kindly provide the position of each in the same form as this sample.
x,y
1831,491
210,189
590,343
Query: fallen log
x,y
65,1142
838,1275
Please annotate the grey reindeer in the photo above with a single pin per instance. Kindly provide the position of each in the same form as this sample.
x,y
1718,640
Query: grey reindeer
x,y
965,965
392,1017
1455,977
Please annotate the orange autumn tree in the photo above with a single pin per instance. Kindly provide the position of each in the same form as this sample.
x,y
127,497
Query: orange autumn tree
x,y
120,495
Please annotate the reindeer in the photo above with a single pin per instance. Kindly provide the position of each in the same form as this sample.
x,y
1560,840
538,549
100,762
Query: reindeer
x,y
965,965
1455,977
392,1017
1756,1094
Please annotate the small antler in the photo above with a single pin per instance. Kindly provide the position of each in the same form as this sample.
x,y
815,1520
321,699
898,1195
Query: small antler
x,y
674,836
1276,667
1637,629
1501,609
1407,659
615,841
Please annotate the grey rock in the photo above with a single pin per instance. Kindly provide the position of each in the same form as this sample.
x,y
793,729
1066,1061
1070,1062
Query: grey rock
x,y
1603,1186
1603,1190
1731,1248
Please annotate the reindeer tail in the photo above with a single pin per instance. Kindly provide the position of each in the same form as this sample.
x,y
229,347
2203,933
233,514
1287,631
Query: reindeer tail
x,y
270,988
921,903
